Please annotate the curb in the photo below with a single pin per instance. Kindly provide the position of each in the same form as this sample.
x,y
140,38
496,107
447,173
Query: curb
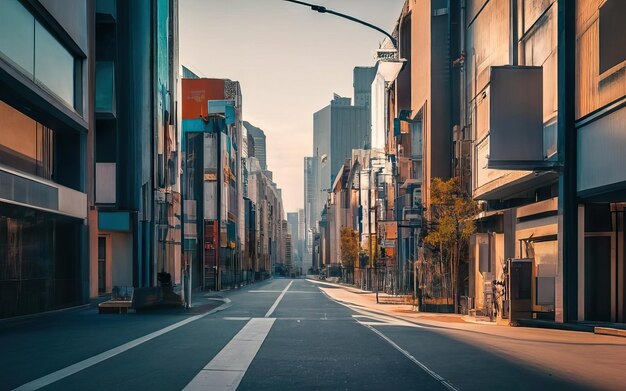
x,y
610,331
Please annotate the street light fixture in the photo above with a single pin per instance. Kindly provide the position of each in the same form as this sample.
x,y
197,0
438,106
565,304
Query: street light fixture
x,y
390,69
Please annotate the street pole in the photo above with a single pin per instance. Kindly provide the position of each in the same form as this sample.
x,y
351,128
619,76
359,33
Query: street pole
x,y
369,221
376,233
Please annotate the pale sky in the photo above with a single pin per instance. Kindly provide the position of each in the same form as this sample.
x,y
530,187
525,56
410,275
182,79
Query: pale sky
x,y
289,61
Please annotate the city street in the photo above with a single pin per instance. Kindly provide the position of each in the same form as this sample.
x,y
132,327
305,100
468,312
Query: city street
x,y
292,334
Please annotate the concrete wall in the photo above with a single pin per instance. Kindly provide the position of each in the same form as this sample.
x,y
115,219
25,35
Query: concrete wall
x,y
121,259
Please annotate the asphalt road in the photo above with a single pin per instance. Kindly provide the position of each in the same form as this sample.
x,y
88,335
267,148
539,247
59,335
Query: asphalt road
x,y
277,335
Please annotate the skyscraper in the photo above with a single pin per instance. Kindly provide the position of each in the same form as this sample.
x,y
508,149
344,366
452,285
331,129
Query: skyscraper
x,y
337,129
293,223
362,83
258,143
309,201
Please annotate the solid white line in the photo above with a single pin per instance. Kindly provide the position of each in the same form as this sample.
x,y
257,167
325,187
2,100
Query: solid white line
x,y
415,361
226,370
262,291
79,366
280,297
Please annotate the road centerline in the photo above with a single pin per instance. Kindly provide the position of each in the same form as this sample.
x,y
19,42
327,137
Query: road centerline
x,y
280,297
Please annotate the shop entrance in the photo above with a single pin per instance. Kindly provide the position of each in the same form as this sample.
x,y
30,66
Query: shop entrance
x,y
604,277
598,278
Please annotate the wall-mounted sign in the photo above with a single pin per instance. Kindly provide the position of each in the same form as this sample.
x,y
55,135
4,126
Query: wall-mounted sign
x,y
386,54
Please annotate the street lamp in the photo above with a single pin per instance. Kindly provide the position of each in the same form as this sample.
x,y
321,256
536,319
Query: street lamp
x,y
390,69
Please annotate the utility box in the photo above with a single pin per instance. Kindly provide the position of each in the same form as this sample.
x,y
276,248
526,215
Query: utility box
x,y
520,290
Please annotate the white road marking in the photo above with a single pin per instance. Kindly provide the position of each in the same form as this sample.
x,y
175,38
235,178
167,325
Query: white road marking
x,y
385,320
280,297
408,355
226,370
263,291
389,321
79,366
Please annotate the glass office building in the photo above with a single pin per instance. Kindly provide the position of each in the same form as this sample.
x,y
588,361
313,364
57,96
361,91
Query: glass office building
x,y
44,128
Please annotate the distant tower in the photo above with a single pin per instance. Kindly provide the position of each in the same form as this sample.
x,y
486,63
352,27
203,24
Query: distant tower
x,y
258,135
362,83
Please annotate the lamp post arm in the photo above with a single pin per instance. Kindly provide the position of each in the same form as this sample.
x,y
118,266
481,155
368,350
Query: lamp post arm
x,y
324,10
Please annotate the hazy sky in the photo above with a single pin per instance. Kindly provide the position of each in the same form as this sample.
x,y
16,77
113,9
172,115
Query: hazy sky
x,y
289,61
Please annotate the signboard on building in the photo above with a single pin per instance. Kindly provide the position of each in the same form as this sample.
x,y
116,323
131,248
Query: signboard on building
x,y
386,55
388,230
515,117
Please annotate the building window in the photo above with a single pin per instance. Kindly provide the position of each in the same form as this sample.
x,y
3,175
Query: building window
x,y
105,87
25,144
16,21
54,66
33,50
612,32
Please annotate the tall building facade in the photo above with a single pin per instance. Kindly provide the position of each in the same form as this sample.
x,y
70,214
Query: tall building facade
x,y
302,240
597,276
362,84
137,190
293,227
47,62
213,185
337,130
258,143
309,207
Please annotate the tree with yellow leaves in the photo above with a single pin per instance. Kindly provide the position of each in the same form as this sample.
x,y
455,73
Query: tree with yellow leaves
x,y
349,250
451,224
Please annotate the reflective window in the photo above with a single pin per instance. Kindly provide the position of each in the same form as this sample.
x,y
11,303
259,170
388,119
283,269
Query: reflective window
x,y
105,87
26,44
54,66
25,144
612,30
38,271
16,21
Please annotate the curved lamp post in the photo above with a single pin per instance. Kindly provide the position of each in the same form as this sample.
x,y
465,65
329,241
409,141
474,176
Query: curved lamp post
x,y
324,10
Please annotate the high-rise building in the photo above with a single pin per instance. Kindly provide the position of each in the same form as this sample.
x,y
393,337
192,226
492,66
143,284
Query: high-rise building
x,y
293,223
337,129
46,139
362,83
309,202
301,239
258,136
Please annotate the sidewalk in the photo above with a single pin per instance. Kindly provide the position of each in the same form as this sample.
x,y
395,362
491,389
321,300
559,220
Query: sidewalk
x,y
367,299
